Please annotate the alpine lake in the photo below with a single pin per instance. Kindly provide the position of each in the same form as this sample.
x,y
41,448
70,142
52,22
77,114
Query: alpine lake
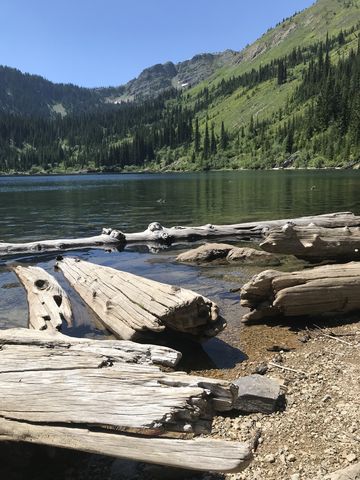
x,y
46,207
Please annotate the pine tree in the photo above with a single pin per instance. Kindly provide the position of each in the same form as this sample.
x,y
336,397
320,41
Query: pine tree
x,y
197,136
206,148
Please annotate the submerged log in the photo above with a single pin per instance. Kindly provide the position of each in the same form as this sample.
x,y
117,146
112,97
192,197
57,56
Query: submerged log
x,y
222,251
129,305
314,243
156,233
331,289
49,305
82,395
108,238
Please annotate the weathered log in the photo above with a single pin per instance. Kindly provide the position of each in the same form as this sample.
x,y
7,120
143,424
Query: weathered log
x,y
130,305
199,454
215,251
124,351
159,234
108,238
84,395
322,290
49,305
314,243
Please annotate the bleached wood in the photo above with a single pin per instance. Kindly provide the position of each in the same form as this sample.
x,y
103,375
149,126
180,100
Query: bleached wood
x,y
49,305
130,305
100,350
156,233
314,243
109,237
199,454
56,370
321,290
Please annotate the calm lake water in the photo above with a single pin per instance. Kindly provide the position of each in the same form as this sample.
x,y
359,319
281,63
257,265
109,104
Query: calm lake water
x,y
33,208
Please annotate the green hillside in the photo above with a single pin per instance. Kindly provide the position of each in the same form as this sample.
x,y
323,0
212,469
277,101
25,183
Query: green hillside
x,y
291,99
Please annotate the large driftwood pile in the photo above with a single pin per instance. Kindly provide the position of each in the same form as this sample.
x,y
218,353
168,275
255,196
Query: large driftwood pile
x,y
322,290
99,397
160,234
314,243
130,305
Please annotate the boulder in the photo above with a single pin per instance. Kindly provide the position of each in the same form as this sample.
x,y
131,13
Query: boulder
x,y
257,394
215,251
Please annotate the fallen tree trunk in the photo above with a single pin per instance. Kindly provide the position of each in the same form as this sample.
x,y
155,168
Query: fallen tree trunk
x,y
108,238
124,351
129,305
199,454
159,234
83,395
323,290
49,305
314,243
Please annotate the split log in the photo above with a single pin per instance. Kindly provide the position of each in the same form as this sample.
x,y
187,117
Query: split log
x,y
49,305
215,251
331,289
314,243
82,395
108,238
156,233
129,305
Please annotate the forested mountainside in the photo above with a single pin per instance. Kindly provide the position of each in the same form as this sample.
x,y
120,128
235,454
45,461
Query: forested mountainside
x,y
290,99
26,94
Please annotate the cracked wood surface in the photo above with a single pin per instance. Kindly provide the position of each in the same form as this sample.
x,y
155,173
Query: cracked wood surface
x,y
314,243
322,290
49,305
157,233
129,305
106,397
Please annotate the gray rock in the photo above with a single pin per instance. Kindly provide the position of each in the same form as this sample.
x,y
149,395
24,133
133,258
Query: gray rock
x,y
257,394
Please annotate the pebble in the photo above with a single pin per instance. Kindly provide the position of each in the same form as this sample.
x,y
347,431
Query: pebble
x,y
291,458
351,457
295,476
270,458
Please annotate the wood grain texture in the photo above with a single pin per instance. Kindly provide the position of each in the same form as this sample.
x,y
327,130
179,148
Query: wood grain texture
x,y
321,290
315,243
199,454
109,237
130,305
108,397
158,234
49,305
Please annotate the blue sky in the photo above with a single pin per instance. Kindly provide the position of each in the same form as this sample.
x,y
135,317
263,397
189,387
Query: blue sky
x,y
108,42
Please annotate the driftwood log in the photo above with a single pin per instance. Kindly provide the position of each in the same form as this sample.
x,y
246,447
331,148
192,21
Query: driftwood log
x,y
83,395
49,305
129,305
108,238
156,233
314,243
322,290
